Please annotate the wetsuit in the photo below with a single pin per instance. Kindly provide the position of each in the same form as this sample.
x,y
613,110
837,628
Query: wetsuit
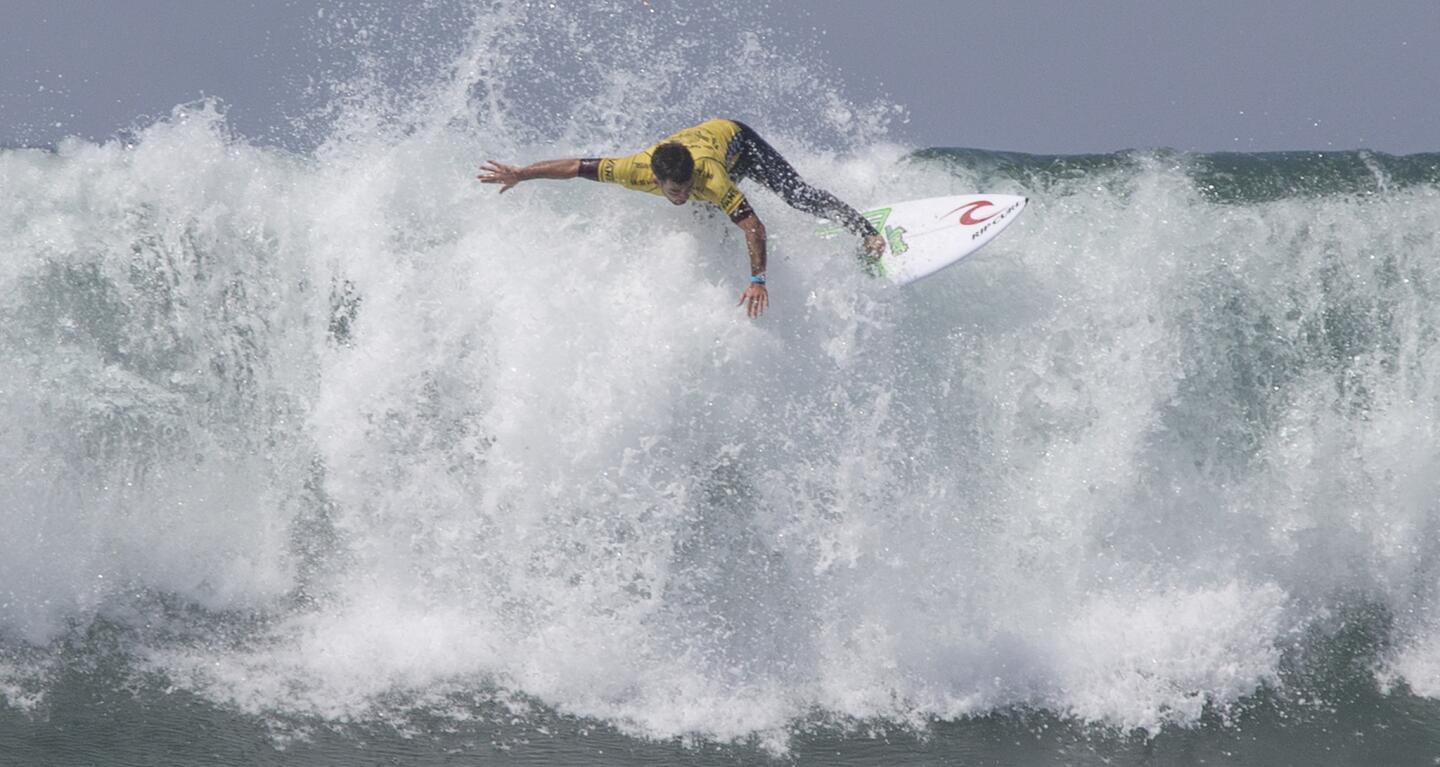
x,y
725,152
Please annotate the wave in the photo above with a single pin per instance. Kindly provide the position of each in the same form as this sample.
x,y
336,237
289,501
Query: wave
x,y
1233,177
339,432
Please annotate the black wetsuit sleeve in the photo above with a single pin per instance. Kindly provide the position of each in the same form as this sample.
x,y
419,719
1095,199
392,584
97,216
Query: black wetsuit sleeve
x,y
590,168
856,223
758,160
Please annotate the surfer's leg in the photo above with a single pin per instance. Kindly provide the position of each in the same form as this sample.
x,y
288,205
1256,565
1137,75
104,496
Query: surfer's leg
x,y
760,161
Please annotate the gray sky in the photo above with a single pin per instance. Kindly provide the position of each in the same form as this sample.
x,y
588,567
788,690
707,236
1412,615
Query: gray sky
x,y
1026,75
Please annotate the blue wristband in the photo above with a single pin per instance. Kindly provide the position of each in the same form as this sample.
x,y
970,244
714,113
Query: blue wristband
x,y
757,279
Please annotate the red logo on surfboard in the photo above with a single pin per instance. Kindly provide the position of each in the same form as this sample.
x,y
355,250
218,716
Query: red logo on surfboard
x,y
967,212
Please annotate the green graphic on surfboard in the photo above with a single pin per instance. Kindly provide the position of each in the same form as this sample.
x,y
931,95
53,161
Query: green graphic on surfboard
x,y
924,236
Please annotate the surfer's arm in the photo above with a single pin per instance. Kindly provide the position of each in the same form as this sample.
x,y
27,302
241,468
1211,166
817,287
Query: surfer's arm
x,y
871,239
754,242
755,294
507,176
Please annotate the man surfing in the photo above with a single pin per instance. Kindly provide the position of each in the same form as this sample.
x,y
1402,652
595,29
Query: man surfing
x,y
705,162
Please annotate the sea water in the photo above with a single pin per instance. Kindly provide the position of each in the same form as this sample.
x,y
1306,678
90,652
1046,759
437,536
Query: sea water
x,y
335,456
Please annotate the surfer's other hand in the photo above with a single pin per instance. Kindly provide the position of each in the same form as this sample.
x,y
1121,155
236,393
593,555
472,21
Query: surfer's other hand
x,y
874,245
756,299
499,173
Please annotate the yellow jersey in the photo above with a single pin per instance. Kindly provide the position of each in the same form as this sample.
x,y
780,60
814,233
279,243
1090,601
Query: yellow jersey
x,y
714,144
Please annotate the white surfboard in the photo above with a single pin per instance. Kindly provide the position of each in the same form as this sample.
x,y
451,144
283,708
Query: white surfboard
x,y
924,236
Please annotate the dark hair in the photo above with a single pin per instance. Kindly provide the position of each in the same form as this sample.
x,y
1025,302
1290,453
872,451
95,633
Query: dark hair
x,y
672,162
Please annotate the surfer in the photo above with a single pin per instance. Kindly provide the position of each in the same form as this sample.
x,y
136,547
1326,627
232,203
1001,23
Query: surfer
x,y
705,162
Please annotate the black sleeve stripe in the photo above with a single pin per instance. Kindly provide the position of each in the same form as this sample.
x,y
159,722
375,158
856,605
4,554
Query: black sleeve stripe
x,y
743,212
590,168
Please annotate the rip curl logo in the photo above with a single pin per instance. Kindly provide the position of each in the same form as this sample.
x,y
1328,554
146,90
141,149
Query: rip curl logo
x,y
967,212
986,222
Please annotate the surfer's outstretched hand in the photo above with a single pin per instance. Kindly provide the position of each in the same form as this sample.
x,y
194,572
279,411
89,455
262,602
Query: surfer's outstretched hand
x,y
499,173
756,299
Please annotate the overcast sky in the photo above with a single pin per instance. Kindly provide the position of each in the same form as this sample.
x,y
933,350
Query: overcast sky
x,y
1060,76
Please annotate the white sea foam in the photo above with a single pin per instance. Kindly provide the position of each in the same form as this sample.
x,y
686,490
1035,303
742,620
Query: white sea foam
x,y
403,436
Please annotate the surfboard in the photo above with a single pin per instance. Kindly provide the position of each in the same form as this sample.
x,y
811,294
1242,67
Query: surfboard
x,y
924,236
